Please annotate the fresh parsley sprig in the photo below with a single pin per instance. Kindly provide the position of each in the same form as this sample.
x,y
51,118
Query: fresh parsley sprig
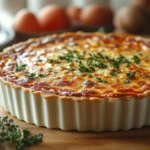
x,y
9,132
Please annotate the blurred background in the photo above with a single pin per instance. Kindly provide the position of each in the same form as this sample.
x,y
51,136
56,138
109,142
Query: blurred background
x,y
23,19
9,8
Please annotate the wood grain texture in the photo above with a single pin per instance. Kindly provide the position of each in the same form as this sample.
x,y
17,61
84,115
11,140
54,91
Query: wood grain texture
x,y
135,139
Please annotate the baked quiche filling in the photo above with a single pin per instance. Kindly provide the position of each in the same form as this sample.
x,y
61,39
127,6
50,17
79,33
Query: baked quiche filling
x,y
80,65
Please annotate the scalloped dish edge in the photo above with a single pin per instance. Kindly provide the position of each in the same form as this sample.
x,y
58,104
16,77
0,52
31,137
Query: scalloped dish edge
x,y
84,115
72,113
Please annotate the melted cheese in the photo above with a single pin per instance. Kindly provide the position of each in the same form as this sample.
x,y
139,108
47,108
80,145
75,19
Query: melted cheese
x,y
81,64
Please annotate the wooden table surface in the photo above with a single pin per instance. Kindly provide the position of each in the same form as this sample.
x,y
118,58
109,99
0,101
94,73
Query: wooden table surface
x,y
136,139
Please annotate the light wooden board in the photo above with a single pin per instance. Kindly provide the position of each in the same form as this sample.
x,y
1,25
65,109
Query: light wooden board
x,y
136,139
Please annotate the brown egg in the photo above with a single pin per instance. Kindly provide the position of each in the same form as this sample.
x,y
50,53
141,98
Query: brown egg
x,y
25,21
73,13
53,18
95,15
131,19
142,3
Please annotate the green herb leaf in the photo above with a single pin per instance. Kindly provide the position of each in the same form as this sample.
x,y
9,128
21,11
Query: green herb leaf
x,y
20,67
115,63
83,68
40,60
41,75
119,60
9,132
32,76
96,60
100,65
100,80
136,59
114,72
55,61
130,74
68,56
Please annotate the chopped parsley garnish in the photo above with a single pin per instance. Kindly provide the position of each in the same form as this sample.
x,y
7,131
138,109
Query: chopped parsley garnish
x,y
114,72
97,56
96,60
67,58
92,56
83,68
136,59
55,61
119,60
20,67
34,75
100,65
115,63
41,75
70,56
130,74
40,60
101,80
72,69
79,56
87,63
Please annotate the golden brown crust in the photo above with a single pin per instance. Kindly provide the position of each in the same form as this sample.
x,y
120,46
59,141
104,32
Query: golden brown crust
x,y
92,86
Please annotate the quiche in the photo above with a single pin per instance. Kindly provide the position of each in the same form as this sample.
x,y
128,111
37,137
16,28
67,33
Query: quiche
x,y
78,81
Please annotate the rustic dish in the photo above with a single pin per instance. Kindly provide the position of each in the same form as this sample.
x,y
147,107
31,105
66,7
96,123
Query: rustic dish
x,y
78,81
